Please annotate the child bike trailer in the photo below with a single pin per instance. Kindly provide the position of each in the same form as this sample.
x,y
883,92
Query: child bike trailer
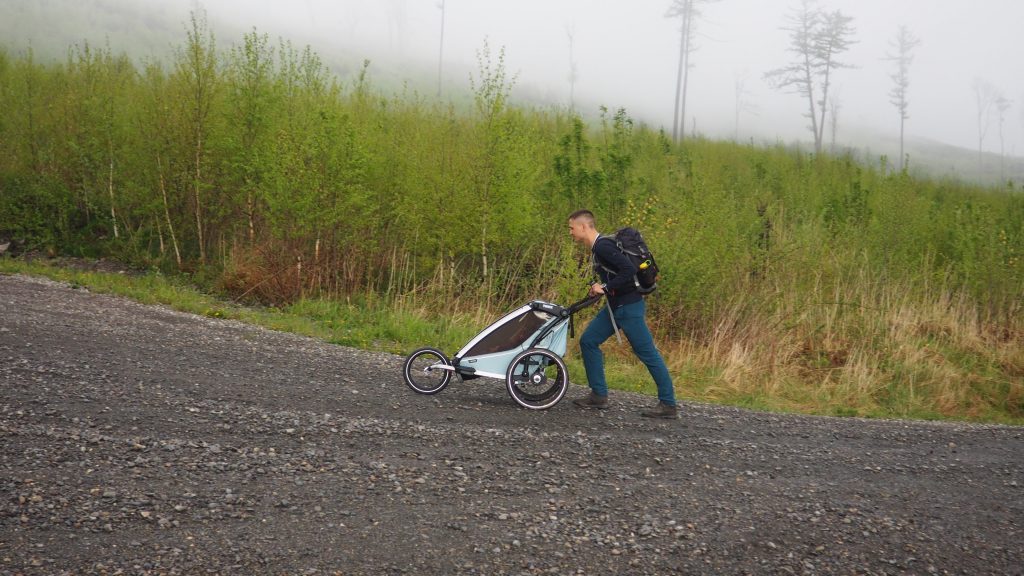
x,y
524,348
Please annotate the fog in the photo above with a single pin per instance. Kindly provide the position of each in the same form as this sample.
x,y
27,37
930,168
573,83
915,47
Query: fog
x,y
626,54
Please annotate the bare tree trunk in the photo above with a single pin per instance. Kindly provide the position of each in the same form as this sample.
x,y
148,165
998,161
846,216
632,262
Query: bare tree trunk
x,y
981,142
394,272
160,235
679,114
686,65
483,247
167,210
199,205
30,98
451,271
572,70
820,136
1002,106
903,122
440,271
110,189
904,44
810,102
834,122
679,84
250,206
1002,154
736,110
440,52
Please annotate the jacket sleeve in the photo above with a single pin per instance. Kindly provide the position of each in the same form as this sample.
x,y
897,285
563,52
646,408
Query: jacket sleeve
x,y
620,281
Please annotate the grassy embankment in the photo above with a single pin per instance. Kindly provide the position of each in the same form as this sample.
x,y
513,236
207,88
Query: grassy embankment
x,y
958,366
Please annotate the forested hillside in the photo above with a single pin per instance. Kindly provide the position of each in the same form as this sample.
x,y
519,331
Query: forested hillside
x,y
246,164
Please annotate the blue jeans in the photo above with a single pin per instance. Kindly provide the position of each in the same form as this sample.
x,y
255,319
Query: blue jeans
x,y
631,319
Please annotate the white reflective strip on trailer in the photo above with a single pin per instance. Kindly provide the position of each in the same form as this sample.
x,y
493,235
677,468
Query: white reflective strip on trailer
x,y
487,374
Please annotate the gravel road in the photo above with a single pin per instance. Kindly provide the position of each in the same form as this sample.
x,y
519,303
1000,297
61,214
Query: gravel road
x,y
139,440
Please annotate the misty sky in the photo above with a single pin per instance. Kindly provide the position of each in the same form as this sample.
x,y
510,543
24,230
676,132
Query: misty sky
x,y
626,53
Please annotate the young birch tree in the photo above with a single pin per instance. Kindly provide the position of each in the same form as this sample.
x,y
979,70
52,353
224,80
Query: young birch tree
x,y
1003,106
116,75
502,164
903,46
196,69
154,122
491,91
251,75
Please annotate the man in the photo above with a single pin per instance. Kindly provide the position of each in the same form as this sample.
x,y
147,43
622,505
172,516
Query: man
x,y
630,315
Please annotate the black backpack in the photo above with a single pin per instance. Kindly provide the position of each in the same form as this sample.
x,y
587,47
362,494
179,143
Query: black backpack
x,y
631,243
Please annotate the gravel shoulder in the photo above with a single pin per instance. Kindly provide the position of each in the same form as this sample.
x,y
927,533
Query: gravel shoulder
x,y
140,440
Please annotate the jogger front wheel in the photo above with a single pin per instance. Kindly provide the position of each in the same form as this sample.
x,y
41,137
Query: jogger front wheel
x,y
537,378
427,371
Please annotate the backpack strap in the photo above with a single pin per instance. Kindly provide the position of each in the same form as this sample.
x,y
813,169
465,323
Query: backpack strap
x,y
597,259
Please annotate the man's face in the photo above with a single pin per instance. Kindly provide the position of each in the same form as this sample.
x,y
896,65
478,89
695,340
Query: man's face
x,y
577,229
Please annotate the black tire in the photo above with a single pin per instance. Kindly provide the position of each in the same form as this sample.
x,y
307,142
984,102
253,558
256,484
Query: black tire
x,y
425,371
537,379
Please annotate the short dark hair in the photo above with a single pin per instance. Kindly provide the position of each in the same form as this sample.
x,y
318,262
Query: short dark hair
x,y
585,215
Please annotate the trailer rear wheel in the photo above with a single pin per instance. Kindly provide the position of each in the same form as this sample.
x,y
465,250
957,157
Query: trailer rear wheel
x,y
537,379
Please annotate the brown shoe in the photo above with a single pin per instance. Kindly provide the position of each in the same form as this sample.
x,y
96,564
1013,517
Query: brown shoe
x,y
592,401
662,410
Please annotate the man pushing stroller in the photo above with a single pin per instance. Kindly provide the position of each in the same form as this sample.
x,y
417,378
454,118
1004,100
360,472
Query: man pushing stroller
x,y
628,312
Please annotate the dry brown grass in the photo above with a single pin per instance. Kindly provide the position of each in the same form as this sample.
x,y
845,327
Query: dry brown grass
x,y
856,347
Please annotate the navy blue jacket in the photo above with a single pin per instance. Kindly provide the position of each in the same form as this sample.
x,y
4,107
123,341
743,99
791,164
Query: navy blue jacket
x,y
619,283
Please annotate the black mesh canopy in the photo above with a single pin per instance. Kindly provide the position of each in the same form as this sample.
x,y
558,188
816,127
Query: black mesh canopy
x,y
512,333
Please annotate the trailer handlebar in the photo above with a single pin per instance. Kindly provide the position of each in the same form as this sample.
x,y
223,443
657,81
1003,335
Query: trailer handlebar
x,y
586,302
